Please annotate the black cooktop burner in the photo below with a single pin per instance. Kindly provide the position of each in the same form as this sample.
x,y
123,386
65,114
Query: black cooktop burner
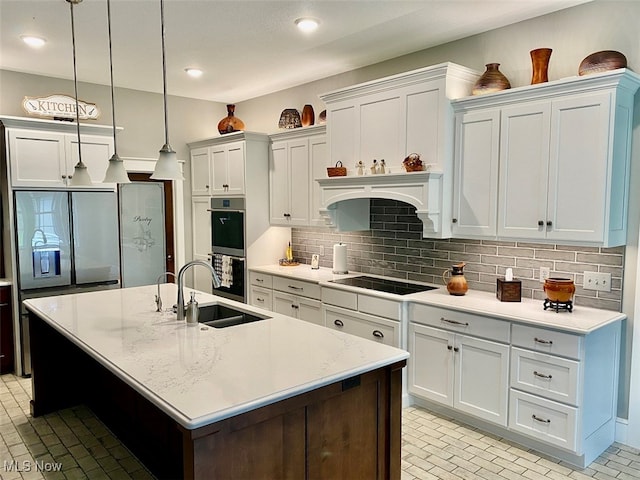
x,y
384,285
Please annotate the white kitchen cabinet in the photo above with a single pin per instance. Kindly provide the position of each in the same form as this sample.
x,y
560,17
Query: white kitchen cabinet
x,y
363,325
47,158
475,182
219,165
227,169
200,171
298,157
564,388
299,307
201,221
563,161
261,297
366,316
463,372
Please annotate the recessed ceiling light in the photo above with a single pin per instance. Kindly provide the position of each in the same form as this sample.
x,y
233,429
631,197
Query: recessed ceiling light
x,y
35,42
193,72
307,24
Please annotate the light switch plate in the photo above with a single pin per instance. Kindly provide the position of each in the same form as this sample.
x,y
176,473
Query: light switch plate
x,y
315,261
597,281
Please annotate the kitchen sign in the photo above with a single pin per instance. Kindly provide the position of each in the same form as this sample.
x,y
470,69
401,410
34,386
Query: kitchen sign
x,y
60,107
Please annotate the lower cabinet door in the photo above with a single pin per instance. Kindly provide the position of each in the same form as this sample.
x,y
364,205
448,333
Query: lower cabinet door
x,y
285,304
547,421
310,310
430,369
481,378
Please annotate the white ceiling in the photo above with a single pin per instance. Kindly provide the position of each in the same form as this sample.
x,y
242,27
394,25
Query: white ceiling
x,y
246,48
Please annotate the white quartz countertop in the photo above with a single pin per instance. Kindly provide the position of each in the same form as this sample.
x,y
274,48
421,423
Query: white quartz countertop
x,y
197,374
581,320
5,282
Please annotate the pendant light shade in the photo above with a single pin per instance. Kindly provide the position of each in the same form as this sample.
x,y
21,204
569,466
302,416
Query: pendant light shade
x,y
80,176
167,166
116,173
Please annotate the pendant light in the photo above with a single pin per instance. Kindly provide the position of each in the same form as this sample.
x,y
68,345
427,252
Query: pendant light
x,y
167,167
116,173
80,176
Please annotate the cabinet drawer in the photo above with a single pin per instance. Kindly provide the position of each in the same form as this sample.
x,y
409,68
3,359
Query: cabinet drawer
x,y
462,322
543,419
379,306
551,377
340,298
297,287
260,279
261,297
547,341
363,325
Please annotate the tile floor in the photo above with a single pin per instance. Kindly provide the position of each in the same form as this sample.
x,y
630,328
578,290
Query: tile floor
x,y
74,444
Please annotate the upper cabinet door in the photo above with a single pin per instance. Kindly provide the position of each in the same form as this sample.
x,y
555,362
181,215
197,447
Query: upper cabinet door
x,y
524,160
580,168
37,159
96,152
279,184
476,173
235,168
299,181
200,171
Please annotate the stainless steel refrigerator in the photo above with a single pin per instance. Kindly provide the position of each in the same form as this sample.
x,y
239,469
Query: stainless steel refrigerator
x,y
67,242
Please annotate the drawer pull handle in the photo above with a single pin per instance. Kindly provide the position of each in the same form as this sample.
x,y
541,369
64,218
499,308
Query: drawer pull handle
x,y
541,420
454,322
377,334
338,323
292,287
259,280
542,375
295,306
542,341
259,299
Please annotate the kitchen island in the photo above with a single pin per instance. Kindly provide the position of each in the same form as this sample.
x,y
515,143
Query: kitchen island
x,y
277,398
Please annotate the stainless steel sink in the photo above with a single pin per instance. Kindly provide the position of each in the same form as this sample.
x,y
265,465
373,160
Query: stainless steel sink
x,y
221,316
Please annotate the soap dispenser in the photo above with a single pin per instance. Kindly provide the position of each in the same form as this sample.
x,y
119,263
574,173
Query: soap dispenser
x,y
192,310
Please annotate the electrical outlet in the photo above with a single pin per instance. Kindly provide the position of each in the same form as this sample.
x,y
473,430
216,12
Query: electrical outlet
x,y
544,273
321,250
597,281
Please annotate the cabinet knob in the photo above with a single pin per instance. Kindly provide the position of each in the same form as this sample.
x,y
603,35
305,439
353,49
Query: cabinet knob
x,y
454,220
338,323
287,215
541,223
207,187
549,223
64,176
377,334
456,349
449,347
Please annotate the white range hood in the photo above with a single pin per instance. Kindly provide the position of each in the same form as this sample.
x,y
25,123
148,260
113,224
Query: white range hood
x,y
345,200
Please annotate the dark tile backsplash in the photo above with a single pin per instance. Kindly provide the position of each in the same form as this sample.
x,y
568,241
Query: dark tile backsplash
x,y
394,247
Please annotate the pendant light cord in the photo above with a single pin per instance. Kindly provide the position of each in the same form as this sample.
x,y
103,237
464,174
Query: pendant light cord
x,y
164,77
113,101
75,80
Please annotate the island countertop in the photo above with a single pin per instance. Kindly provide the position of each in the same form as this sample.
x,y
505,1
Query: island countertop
x,y
197,374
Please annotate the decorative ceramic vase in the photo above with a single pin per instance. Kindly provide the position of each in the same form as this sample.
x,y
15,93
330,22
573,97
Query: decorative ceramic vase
x,y
602,61
308,116
230,123
457,284
540,64
322,118
492,80
559,289
290,118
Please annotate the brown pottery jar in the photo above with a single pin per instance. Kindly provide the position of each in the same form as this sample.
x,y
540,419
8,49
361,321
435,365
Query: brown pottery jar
x,y
457,284
559,289
230,123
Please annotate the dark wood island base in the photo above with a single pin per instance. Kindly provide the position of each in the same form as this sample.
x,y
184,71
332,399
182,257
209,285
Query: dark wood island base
x,y
346,430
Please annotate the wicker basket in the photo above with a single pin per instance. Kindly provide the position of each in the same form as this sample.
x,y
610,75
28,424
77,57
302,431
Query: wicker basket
x,y
337,171
413,168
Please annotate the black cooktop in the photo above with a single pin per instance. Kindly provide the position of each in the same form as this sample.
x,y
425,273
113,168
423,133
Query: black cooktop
x,y
384,285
